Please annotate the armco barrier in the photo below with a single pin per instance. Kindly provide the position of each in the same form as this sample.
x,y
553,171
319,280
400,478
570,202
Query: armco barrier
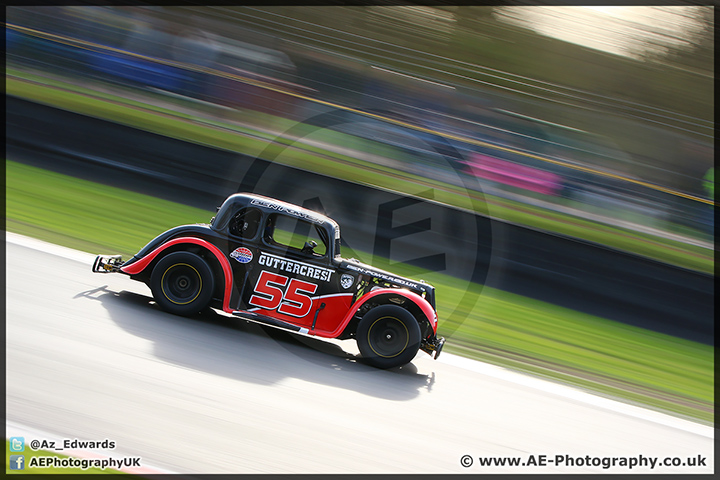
x,y
470,246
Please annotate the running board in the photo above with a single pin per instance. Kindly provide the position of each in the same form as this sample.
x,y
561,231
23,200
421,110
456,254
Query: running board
x,y
269,321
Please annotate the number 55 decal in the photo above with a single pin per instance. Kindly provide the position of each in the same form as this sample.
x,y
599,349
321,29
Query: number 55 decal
x,y
269,294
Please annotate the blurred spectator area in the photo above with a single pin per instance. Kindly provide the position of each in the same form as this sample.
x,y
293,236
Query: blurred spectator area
x,y
147,50
513,148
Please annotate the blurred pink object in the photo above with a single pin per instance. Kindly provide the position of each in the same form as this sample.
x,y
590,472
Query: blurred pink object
x,y
513,174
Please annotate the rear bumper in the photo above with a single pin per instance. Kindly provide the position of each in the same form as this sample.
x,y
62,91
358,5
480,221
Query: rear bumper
x,y
107,264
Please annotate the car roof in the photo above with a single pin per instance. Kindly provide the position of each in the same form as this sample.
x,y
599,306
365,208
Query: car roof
x,y
270,205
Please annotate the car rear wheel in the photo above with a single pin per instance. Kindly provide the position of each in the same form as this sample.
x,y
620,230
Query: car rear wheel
x,y
182,283
388,336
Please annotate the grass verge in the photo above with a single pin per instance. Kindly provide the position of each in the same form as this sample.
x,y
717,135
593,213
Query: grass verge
x,y
607,357
301,154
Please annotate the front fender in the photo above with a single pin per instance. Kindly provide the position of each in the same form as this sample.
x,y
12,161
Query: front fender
x,y
140,265
423,304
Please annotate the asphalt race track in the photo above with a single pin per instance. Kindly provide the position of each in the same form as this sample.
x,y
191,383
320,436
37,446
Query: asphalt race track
x,y
90,357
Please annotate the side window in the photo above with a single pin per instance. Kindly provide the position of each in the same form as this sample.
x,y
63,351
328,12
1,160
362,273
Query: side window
x,y
295,234
245,223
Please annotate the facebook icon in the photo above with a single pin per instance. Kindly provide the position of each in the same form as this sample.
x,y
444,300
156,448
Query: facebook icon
x,y
17,462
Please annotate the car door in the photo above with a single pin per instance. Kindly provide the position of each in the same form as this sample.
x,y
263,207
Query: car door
x,y
292,270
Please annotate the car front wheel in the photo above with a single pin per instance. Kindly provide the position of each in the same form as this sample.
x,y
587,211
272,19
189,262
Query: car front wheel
x,y
182,283
388,336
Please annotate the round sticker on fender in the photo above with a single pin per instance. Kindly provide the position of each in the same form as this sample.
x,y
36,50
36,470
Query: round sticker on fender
x,y
242,255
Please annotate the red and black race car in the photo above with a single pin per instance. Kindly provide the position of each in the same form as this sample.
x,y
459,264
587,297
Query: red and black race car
x,y
279,264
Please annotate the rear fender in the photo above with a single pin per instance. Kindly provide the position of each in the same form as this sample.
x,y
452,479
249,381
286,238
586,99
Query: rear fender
x,y
140,265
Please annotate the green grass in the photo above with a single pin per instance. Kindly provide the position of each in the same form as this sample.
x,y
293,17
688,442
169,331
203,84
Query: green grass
x,y
607,357
253,142
89,216
29,454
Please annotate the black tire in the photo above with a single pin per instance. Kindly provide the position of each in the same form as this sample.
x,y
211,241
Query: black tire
x,y
388,336
182,283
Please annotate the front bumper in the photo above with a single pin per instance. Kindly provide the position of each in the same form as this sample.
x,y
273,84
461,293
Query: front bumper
x,y
433,346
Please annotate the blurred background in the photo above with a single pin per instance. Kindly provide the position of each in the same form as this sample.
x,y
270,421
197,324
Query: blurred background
x,y
589,123
600,112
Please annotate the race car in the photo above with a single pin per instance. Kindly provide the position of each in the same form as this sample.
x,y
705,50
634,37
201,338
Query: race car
x,y
278,264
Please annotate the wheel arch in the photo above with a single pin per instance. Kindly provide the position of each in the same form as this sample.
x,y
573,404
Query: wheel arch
x,y
218,263
418,307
